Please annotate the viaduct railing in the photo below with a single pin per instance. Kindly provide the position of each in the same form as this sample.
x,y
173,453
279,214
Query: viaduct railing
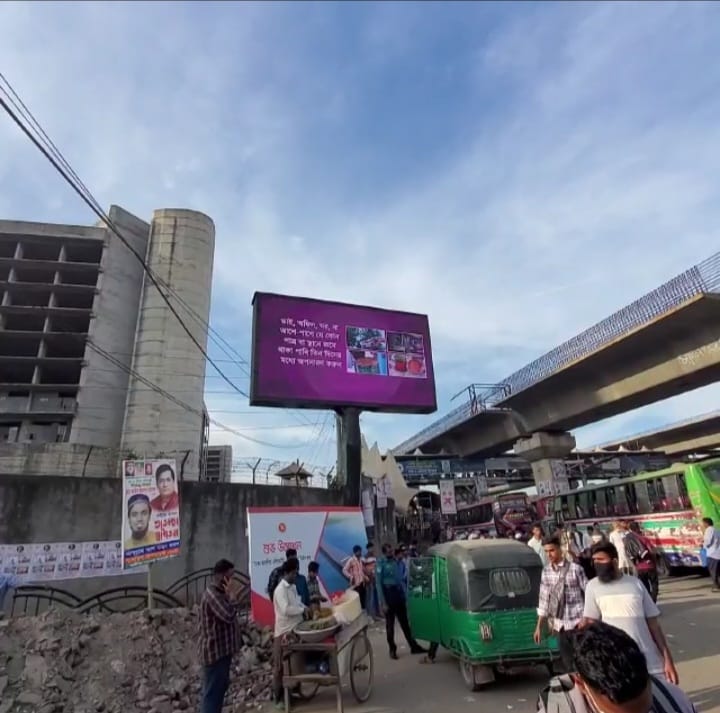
x,y
701,279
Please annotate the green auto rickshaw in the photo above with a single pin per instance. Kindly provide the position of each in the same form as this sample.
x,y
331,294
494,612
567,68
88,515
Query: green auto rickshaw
x,y
478,599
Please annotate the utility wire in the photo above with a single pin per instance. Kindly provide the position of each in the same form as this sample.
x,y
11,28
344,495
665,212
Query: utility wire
x,y
56,159
187,407
60,163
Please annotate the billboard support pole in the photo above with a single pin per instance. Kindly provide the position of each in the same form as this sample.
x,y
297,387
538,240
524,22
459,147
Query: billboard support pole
x,y
351,447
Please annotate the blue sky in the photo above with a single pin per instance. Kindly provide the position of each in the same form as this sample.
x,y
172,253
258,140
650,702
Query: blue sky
x,y
516,171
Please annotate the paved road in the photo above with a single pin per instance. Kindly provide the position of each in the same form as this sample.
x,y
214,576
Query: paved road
x,y
691,619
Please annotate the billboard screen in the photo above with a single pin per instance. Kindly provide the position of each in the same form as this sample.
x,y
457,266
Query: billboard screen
x,y
314,354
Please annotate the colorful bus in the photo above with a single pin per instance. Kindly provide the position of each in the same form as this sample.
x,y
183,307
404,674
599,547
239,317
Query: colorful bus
x,y
668,504
503,514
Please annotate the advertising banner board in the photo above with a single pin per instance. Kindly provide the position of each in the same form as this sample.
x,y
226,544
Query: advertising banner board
x,y
151,512
448,505
313,354
325,535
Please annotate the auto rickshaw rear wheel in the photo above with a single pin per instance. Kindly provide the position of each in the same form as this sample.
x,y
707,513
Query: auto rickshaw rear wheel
x,y
469,673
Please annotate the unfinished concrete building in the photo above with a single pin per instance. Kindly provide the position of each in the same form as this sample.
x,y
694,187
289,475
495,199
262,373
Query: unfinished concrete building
x,y
82,331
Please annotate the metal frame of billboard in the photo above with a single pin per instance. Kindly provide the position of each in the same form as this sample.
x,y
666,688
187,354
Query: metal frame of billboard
x,y
322,403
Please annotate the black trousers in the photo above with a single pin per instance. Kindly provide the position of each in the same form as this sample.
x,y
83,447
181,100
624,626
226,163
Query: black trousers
x,y
397,609
432,651
361,589
713,566
650,579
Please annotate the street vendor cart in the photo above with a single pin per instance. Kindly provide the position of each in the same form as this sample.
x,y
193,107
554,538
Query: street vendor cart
x,y
345,654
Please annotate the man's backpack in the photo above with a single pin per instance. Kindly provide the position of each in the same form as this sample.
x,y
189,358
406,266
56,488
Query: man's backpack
x,y
635,551
561,696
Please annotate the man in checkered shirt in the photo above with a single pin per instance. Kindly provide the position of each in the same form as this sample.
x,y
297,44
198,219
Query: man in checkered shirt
x,y
219,635
562,592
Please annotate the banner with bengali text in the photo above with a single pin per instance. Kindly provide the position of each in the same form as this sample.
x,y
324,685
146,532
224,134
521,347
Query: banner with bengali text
x,y
52,561
151,512
325,535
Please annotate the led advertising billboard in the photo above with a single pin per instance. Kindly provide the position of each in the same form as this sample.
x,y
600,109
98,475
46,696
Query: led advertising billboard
x,y
315,354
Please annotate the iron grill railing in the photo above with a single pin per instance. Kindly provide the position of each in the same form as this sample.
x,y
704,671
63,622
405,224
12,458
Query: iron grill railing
x,y
704,278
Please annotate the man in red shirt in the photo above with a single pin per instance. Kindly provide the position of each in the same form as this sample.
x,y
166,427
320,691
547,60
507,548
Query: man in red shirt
x,y
168,497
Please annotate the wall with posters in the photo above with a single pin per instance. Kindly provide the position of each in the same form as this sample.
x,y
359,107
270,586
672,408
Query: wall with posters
x,y
57,509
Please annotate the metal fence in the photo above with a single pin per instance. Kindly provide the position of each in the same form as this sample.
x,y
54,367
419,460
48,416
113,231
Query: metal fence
x,y
702,279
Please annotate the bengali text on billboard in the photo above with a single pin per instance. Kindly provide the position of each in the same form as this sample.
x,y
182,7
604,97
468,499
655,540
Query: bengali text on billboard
x,y
151,512
312,353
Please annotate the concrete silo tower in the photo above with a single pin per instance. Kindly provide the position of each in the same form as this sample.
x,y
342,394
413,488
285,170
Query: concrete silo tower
x,y
180,254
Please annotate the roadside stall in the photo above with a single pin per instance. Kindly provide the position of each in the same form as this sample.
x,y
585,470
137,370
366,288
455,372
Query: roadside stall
x,y
330,649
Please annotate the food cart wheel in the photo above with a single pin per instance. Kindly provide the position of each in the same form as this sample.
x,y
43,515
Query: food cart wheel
x,y
307,691
361,668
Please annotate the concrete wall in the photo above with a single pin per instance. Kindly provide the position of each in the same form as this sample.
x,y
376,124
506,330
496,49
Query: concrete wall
x,y
181,255
67,509
66,459
103,386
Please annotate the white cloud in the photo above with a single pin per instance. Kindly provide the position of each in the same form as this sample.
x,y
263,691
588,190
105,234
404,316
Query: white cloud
x,y
585,174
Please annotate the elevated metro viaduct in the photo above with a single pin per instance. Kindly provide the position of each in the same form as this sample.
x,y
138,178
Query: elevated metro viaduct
x,y
661,345
693,436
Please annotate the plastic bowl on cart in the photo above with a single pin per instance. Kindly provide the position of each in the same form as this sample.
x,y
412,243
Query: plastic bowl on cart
x,y
312,632
347,608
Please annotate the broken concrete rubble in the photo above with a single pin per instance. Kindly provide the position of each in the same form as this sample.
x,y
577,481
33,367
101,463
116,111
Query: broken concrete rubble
x,y
61,662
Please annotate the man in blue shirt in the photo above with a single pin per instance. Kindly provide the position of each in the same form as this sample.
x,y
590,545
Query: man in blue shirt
x,y
391,593
711,543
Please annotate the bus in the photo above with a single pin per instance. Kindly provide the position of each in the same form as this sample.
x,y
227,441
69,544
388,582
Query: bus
x,y
501,514
668,504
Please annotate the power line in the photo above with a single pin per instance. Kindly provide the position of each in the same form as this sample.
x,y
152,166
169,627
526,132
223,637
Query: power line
x,y
178,402
55,157
60,163
64,168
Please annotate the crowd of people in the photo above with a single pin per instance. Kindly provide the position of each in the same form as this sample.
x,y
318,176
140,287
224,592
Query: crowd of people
x,y
598,595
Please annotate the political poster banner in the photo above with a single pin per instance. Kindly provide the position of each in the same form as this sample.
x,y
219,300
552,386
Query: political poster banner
x,y
325,535
151,512
448,505
54,561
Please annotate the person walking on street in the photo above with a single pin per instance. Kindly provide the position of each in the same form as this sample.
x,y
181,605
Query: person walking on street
x,y
623,601
639,550
392,600
536,543
289,612
400,556
562,592
219,635
617,539
354,571
711,543
370,566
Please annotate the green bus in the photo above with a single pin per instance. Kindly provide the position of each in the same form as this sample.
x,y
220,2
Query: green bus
x,y
668,504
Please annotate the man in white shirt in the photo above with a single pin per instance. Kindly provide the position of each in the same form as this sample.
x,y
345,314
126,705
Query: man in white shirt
x,y
289,612
617,538
623,601
536,543
711,543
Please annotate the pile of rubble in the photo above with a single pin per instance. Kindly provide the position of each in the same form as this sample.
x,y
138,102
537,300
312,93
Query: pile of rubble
x,y
147,661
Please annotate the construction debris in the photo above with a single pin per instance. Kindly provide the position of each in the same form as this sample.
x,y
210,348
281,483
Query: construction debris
x,y
60,662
